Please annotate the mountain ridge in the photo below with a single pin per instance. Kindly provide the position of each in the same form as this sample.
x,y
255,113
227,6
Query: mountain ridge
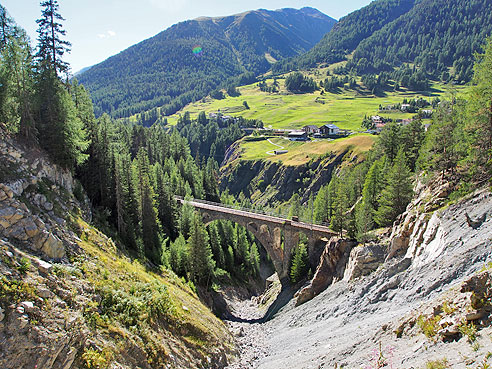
x,y
165,71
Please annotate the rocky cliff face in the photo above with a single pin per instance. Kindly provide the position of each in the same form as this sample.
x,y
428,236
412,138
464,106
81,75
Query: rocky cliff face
x,y
268,183
70,298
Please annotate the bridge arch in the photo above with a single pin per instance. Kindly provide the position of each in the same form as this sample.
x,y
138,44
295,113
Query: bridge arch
x,y
267,229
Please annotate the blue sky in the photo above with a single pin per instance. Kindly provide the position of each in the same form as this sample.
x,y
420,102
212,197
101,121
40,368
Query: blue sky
x,y
98,29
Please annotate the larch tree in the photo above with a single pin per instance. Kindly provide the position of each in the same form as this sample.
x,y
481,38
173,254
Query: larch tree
x,y
480,113
397,193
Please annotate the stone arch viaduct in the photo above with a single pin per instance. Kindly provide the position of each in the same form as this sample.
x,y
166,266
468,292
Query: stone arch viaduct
x,y
268,230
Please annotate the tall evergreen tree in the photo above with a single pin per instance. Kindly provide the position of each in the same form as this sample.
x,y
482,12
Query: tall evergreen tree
x,y
439,151
201,262
16,79
51,45
397,193
148,213
61,132
480,112
340,207
300,263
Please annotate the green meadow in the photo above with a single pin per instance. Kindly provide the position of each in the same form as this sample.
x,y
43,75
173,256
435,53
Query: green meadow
x,y
300,153
284,110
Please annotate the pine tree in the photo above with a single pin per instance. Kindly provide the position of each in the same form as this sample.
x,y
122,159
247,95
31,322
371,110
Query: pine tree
x,y
16,79
6,27
412,137
300,264
254,257
148,214
373,184
295,206
364,214
389,140
61,132
340,208
179,257
201,262
439,151
51,45
167,205
397,193
215,243
480,114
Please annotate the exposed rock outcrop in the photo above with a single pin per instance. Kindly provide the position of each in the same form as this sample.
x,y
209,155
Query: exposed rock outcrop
x,y
410,226
363,260
27,216
330,269
268,183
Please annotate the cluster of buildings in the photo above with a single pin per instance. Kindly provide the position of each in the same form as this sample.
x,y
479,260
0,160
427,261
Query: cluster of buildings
x,y
223,118
325,131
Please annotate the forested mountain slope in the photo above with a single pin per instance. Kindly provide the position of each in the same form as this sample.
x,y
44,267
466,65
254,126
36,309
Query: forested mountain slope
x,y
349,32
188,60
435,35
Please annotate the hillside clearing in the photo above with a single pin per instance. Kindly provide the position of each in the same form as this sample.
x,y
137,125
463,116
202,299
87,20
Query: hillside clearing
x,y
300,153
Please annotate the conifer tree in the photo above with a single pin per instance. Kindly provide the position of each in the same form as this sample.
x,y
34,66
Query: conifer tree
x,y
61,132
295,206
389,140
254,256
397,193
480,114
16,79
166,203
201,262
7,26
51,46
178,256
300,264
340,208
215,243
148,214
439,151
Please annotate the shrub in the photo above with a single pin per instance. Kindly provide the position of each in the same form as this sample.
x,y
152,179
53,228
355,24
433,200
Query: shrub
x,y
468,330
24,265
145,302
438,364
93,359
429,326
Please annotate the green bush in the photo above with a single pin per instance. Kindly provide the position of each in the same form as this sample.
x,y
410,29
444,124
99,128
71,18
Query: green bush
x,y
144,302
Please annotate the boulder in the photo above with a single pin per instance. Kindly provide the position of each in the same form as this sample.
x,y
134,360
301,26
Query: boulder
x,y
44,267
28,306
17,187
53,247
364,259
2,314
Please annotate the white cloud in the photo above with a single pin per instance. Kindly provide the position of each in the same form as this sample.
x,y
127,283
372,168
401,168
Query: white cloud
x,y
107,34
172,6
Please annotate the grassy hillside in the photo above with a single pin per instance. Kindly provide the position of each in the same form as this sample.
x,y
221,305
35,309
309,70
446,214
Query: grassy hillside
x,y
285,110
300,153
